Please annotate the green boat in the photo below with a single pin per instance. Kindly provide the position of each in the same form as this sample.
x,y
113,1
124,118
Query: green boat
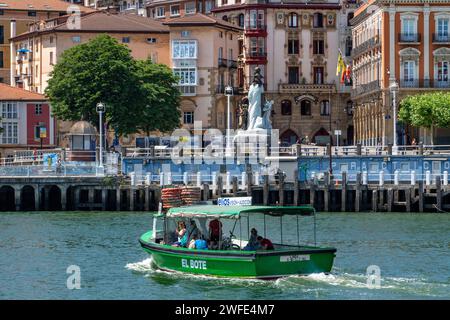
x,y
232,259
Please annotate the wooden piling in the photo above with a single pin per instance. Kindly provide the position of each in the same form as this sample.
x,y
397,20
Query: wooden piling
x,y
312,195
438,193
146,198
326,192
375,200
344,192
249,183
205,192
296,188
118,196
219,186
104,198
281,189
131,191
408,199
266,190
235,186
421,200
358,193
390,199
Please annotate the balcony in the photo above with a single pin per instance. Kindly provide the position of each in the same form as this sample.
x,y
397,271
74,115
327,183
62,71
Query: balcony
x,y
256,54
365,88
255,27
425,84
225,63
257,57
255,30
411,83
409,38
222,63
441,38
366,46
305,88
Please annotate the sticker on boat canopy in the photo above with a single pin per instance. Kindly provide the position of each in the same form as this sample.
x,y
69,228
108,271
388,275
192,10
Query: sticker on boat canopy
x,y
236,201
297,257
193,264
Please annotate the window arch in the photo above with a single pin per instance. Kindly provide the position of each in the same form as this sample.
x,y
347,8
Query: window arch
x,y
241,19
286,107
318,20
324,108
293,20
305,108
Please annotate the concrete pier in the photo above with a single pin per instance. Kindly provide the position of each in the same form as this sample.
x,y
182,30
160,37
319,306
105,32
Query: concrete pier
x,y
326,193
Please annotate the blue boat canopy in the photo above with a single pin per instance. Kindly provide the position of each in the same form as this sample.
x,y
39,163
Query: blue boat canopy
x,y
234,212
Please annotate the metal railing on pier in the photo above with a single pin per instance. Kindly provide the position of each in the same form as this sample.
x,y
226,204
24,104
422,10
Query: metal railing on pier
x,y
302,150
65,170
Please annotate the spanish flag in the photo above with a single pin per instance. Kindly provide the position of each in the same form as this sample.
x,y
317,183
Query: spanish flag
x,y
340,64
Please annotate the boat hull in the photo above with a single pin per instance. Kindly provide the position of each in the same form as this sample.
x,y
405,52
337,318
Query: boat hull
x,y
241,264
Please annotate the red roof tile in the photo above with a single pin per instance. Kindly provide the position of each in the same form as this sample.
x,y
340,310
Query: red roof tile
x,y
38,5
8,93
200,19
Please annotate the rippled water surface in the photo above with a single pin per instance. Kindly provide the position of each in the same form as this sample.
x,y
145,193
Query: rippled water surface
x,y
411,250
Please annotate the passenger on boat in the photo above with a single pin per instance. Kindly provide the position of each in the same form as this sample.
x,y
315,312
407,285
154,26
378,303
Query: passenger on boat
x,y
201,244
193,231
213,245
192,242
215,230
182,235
253,243
265,244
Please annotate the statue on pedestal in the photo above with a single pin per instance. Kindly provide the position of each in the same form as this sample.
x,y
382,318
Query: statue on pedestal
x,y
258,113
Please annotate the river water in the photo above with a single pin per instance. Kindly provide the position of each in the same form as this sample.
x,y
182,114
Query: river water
x,y
412,252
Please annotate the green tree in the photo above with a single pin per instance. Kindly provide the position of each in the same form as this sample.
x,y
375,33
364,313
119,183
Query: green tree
x,y
101,70
161,109
428,110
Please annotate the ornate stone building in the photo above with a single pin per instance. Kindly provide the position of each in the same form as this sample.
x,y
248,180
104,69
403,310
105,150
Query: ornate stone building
x,y
296,45
403,42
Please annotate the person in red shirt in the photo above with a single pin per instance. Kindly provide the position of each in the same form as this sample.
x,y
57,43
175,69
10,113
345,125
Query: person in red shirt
x,y
266,244
215,230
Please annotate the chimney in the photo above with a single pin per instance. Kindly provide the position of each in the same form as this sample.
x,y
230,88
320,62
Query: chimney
x,y
13,28
12,57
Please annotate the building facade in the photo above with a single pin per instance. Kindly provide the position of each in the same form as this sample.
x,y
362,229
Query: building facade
x,y
23,116
402,42
24,13
204,53
296,45
122,6
38,50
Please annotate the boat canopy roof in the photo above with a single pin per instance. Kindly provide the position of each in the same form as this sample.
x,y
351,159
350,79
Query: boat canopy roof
x,y
234,212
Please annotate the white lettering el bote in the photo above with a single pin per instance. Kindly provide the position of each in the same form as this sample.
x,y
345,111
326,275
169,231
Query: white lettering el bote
x,y
193,264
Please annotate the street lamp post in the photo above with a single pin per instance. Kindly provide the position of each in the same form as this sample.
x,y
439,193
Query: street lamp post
x,y
100,110
394,90
228,93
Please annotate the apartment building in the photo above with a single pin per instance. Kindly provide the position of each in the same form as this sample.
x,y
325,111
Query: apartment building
x,y
296,45
38,50
397,42
123,6
24,13
26,121
204,53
